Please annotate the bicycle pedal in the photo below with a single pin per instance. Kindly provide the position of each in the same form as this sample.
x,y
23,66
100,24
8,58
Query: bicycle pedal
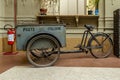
x,y
86,50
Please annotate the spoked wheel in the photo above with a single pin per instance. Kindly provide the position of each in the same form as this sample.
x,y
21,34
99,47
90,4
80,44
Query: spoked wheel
x,y
103,48
43,51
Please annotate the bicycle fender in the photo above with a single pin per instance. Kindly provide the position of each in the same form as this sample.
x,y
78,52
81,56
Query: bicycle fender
x,y
108,35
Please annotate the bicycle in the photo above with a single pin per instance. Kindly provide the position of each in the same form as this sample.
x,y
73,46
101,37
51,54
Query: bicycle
x,y
100,45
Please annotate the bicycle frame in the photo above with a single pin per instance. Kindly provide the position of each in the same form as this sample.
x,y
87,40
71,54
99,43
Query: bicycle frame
x,y
84,39
84,47
83,42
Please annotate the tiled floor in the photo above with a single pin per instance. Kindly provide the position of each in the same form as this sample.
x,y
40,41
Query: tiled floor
x,y
69,60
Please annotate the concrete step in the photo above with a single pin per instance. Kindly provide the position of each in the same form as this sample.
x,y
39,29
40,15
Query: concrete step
x,y
61,73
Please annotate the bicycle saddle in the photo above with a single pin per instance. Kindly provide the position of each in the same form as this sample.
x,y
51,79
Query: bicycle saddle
x,y
89,27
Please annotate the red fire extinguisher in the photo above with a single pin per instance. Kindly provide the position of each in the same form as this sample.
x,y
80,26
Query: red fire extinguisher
x,y
11,33
11,36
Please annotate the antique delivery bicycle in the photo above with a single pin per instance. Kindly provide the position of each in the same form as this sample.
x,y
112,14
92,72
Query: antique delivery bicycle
x,y
42,43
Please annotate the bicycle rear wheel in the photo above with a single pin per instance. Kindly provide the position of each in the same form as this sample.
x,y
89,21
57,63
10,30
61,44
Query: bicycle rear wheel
x,y
102,49
43,51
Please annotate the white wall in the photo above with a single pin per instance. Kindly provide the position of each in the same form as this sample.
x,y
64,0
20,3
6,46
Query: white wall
x,y
72,7
110,6
28,9
2,13
81,7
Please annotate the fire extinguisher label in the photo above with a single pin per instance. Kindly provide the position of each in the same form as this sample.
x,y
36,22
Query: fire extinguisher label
x,y
11,37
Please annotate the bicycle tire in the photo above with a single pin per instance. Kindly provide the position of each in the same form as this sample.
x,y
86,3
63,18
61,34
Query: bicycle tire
x,y
43,55
106,48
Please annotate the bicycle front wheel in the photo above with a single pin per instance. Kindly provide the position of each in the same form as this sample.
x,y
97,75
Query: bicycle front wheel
x,y
101,45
